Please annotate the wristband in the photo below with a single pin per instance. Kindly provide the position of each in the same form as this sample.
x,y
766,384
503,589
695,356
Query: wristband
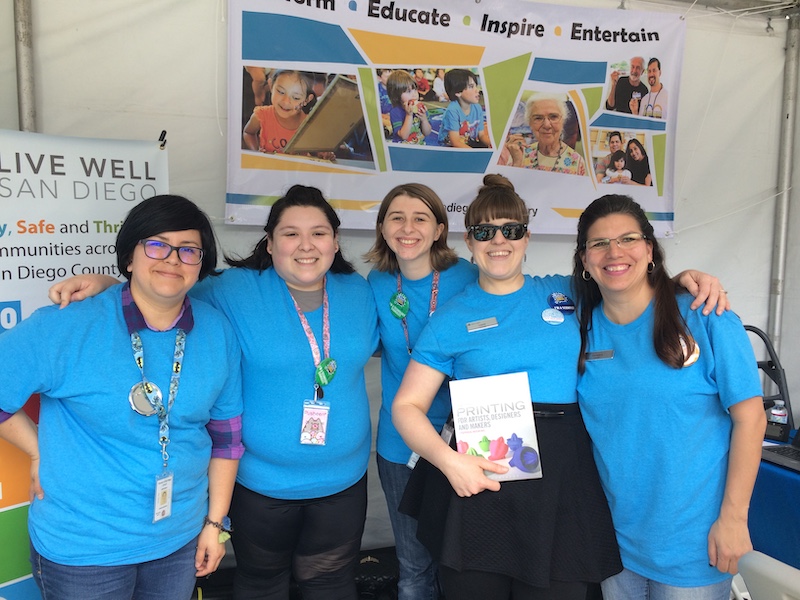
x,y
224,527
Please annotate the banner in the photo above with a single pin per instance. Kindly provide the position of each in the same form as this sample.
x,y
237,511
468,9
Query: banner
x,y
356,97
62,201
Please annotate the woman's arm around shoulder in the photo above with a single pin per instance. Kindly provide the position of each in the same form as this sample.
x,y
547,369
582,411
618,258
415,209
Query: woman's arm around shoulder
x,y
79,287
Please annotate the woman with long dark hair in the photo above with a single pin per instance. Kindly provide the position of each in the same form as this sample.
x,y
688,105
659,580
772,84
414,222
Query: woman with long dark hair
x,y
672,401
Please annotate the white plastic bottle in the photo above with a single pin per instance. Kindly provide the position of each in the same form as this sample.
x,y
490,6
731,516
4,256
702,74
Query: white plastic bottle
x,y
778,413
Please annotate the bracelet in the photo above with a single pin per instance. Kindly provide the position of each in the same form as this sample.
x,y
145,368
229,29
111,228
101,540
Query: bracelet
x,y
224,526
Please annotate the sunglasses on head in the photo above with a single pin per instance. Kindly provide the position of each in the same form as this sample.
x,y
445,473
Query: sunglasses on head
x,y
485,232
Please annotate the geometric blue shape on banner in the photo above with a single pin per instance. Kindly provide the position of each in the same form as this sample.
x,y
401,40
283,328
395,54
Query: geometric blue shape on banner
x,y
623,121
439,161
277,37
660,216
551,70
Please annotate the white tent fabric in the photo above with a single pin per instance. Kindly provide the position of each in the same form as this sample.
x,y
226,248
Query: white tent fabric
x,y
128,69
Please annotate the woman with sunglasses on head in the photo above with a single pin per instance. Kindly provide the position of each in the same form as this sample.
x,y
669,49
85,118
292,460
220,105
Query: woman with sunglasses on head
x,y
307,326
675,389
529,539
140,430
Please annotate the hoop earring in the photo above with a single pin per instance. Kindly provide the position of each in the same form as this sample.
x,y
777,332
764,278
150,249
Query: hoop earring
x,y
472,260
651,266
585,275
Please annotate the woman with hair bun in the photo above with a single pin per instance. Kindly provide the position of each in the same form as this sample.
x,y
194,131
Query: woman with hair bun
x,y
534,538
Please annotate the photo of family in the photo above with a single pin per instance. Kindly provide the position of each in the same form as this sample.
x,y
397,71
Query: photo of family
x,y
620,157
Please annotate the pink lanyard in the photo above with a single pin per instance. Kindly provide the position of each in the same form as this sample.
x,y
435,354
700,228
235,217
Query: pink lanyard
x,y
431,306
326,327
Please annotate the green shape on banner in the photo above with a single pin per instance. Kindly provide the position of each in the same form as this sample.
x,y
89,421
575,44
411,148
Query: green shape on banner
x,y
15,549
594,97
502,84
659,159
367,77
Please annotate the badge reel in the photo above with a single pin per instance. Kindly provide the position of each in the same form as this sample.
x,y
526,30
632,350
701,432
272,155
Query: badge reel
x,y
139,401
314,427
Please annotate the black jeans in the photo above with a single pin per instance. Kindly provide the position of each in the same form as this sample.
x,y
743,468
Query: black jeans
x,y
315,540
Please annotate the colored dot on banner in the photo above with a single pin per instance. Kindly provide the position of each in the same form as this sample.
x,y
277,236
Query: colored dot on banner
x,y
557,30
467,21
353,5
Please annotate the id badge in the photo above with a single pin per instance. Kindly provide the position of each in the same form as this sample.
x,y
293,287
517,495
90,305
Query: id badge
x,y
314,428
163,500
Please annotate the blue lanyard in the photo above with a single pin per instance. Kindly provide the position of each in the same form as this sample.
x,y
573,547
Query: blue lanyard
x,y
153,393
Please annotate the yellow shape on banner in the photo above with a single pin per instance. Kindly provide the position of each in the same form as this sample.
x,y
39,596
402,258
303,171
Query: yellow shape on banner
x,y
269,163
594,99
660,159
569,213
353,204
401,50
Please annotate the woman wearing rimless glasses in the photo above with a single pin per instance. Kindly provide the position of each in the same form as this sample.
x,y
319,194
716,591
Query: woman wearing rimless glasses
x,y
687,386
139,432
543,538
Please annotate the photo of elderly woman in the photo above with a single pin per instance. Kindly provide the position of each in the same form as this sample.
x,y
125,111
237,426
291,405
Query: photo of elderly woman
x,y
543,140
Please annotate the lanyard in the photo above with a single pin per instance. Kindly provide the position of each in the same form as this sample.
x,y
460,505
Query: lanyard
x,y
151,391
431,305
325,367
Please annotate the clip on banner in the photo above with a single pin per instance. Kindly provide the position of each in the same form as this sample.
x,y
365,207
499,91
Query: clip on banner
x,y
163,139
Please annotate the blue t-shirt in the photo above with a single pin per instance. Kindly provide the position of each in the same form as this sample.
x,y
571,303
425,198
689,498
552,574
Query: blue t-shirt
x,y
278,375
517,335
394,353
661,437
468,126
99,458
397,115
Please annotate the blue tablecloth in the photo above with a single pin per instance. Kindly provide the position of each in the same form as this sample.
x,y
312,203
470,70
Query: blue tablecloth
x,y
775,513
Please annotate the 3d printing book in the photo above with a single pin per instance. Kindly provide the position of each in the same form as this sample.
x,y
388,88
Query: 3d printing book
x,y
493,418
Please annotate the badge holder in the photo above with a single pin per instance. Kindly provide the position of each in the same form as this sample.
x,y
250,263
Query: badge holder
x,y
163,500
314,427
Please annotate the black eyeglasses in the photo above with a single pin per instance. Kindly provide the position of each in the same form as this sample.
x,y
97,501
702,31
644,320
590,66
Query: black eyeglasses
x,y
485,232
158,250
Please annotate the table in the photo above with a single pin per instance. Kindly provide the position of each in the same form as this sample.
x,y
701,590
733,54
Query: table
x,y
775,513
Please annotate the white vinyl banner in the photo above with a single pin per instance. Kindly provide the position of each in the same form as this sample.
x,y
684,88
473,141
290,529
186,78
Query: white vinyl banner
x,y
355,97
62,201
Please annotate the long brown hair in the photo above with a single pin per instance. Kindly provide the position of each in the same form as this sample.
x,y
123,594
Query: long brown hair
x,y
669,327
442,256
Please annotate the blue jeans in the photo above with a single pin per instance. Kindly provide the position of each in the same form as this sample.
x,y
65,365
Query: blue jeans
x,y
168,578
627,585
418,572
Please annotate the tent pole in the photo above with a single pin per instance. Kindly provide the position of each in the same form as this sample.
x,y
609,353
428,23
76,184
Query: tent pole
x,y
781,226
24,48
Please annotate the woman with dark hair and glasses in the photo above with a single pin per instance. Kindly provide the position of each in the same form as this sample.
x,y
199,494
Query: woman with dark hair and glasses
x,y
535,538
140,430
307,325
675,389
